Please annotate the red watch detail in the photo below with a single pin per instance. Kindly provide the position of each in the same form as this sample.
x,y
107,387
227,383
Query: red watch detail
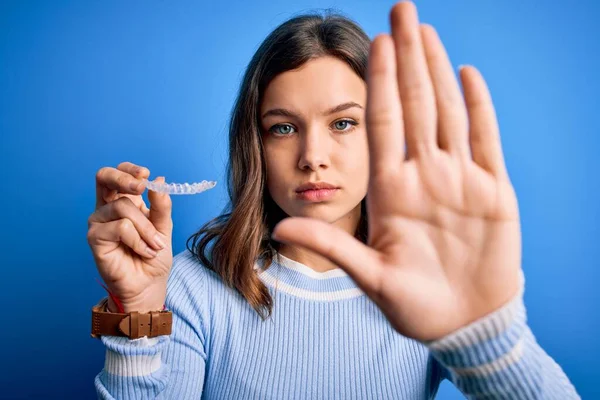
x,y
116,300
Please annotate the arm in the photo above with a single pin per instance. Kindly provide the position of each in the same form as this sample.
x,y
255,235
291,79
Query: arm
x,y
165,367
497,357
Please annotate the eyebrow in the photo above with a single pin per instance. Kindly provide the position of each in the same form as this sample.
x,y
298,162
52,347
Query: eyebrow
x,y
287,113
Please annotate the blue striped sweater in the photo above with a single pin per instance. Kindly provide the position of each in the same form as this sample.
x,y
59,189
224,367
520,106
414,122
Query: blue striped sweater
x,y
325,340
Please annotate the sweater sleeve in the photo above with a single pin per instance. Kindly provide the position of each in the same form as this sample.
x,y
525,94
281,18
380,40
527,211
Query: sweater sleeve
x,y
498,357
164,367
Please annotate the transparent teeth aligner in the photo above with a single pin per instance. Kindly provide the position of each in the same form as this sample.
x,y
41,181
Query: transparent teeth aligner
x,y
179,188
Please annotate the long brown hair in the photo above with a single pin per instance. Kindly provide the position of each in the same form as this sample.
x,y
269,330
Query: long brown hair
x,y
242,234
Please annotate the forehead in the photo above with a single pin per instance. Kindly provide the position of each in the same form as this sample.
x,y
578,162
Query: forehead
x,y
318,84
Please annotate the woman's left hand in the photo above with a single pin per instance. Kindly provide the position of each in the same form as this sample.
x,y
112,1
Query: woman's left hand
x,y
444,245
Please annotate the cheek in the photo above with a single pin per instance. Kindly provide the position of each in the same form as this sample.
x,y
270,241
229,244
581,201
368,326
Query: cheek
x,y
276,172
356,169
358,172
356,158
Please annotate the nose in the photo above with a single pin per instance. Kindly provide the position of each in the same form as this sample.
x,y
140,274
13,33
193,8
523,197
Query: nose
x,y
314,150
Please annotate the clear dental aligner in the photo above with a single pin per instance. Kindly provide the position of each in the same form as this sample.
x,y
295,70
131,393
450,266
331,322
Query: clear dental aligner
x,y
179,188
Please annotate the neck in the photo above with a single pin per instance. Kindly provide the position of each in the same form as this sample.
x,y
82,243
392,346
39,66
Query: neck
x,y
315,261
309,258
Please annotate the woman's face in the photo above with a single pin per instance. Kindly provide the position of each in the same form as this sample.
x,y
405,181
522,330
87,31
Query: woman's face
x,y
313,129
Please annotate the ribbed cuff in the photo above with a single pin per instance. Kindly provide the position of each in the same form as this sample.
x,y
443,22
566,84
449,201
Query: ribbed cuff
x,y
133,357
488,345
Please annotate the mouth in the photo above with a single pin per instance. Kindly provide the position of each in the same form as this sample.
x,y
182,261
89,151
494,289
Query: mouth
x,y
316,195
315,186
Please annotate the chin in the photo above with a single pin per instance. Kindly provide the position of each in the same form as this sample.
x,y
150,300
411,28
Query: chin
x,y
317,211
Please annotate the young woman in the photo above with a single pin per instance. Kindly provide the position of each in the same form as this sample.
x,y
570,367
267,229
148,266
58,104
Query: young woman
x,y
400,265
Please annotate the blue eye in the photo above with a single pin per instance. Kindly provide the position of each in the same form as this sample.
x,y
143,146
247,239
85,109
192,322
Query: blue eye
x,y
344,125
341,125
281,129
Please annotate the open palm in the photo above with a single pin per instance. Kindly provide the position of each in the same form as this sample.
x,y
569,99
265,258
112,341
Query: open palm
x,y
444,245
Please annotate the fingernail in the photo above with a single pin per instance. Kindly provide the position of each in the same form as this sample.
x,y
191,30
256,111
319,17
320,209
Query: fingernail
x,y
134,185
159,242
151,252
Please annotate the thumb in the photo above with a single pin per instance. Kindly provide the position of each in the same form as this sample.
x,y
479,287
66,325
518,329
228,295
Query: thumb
x,y
160,210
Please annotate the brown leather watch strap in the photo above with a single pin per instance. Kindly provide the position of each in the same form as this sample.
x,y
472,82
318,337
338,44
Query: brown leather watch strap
x,y
132,325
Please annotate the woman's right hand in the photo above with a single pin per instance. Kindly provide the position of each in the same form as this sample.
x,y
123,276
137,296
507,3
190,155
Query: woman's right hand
x,y
123,234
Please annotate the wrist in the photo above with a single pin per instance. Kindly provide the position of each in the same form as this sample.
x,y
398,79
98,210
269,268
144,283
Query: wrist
x,y
154,301
133,325
112,307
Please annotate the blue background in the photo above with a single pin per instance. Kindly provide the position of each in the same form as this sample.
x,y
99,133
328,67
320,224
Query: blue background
x,y
91,84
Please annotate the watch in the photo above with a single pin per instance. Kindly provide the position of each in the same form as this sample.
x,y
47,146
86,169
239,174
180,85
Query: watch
x,y
133,325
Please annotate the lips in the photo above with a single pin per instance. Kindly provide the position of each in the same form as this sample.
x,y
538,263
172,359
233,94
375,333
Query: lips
x,y
317,195
316,191
315,186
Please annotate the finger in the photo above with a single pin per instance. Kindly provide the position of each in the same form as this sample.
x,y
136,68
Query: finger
x,y
110,180
358,260
121,230
145,210
135,199
384,113
124,208
452,115
160,211
416,91
138,172
484,133
135,170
